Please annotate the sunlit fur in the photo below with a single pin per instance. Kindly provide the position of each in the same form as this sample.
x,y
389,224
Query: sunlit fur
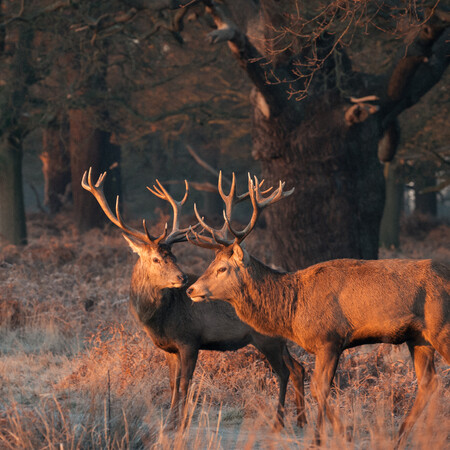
x,y
181,328
339,304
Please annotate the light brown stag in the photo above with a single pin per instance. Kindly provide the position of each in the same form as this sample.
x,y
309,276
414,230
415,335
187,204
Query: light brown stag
x,y
334,305
180,327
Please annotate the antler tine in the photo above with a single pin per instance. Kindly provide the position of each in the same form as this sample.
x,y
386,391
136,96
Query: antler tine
x,y
183,201
274,197
156,191
201,221
241,235
163,235
97,191
144,225
216,234
221,236
176,235
231,200
258,203
241,197
203,241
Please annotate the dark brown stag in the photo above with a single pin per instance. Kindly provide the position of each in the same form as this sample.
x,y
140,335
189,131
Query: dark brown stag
x,y
334,305
180,327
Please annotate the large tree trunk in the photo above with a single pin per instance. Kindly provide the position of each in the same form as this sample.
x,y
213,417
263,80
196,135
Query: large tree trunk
x,y
18,76
85,151
91,147
337,205
390,224
326,148
55,164
12,211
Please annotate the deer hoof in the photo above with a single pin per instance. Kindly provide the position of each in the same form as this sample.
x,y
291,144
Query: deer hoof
x,y
171,424
349,433
301,421
277,426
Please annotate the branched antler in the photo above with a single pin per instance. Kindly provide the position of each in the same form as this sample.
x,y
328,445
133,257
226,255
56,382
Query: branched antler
x,y
259,202
97,191
220,238
176,235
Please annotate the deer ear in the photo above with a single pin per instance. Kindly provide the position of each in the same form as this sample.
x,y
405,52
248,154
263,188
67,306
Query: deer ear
x,y
240,254
135,246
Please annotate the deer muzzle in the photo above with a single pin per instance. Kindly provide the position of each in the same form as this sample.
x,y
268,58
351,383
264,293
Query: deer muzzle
x,y
197,293
181,281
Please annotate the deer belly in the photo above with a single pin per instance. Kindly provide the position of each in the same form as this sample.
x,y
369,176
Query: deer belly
x,y
166,344
390,332
223,346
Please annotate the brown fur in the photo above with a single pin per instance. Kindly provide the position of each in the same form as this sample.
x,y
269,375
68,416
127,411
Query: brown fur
x,y
339,304
181,328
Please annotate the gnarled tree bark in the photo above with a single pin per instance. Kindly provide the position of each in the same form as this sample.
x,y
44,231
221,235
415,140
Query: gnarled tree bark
x,y
316,146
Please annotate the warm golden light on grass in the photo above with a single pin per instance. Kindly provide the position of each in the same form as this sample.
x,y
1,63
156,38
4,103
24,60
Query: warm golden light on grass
x,y
76,372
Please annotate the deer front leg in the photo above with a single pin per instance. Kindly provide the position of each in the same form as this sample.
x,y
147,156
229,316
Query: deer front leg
x,y
188,356
274,350
283,379
173,361
326,362
297,373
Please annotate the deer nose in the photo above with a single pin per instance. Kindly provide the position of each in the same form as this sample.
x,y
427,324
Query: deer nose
x,y
183,278
190,291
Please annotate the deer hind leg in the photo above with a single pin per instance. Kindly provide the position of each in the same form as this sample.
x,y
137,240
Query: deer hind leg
x,y
442,342
273,351
297,373
188,358
423,357
173,361
326,363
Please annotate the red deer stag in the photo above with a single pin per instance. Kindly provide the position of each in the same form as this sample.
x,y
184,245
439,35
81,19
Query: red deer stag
x,y
334,305
180,327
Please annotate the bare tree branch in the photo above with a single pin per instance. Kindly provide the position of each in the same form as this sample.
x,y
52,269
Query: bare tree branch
x,y
248,56
204,187
418,71
205,165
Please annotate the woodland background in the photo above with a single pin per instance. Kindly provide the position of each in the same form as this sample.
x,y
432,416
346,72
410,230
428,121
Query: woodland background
x,y
128,87
132,84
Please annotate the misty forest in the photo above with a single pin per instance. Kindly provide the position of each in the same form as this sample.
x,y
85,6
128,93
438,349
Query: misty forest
x,y
140,140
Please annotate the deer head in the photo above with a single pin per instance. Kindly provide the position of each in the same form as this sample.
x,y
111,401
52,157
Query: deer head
x,y
155,253
227,273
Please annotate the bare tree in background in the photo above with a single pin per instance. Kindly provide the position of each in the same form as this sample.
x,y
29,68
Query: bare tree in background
x,y
76,79
326,145
16,74
55,162
54,76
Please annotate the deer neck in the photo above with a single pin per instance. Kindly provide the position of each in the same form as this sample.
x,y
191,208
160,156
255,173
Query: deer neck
x,y
264,299
147,301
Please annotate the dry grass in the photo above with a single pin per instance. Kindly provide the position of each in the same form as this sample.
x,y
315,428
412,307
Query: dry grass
x,y
76,372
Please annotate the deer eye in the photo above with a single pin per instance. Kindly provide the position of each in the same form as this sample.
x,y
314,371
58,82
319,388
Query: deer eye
x,y
221,270
156,260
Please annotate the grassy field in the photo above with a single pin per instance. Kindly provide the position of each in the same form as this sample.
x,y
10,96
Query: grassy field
x,y
77,372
